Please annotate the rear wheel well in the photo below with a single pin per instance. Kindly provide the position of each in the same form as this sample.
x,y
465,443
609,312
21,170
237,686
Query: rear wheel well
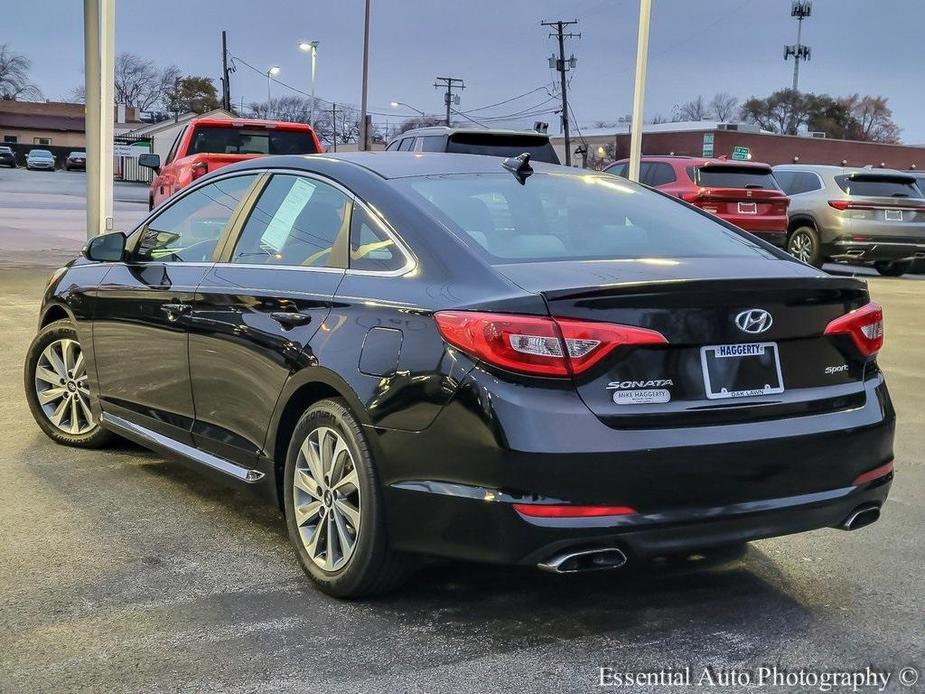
x,y
797,222
52,314
301,400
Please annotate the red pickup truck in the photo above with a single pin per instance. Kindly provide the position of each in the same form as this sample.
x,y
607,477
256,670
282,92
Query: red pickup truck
x,y
207,144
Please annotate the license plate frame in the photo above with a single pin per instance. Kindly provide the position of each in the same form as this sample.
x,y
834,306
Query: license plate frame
x,y
748,208
893,215
711,354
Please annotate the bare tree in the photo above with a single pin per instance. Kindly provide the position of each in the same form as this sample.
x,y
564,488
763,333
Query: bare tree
x,y
724,106
418,122
139,82
873,119
14,76
695,109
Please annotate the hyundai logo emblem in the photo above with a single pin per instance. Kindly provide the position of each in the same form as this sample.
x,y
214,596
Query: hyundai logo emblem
x,y
754,320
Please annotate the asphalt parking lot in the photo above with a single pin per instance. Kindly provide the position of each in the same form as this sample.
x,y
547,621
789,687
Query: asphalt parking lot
x,y
123,571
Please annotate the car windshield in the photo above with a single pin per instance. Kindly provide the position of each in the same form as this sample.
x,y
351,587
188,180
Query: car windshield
x,y
40,154
734,177
879,185
566,216
503,145
222,140
77,154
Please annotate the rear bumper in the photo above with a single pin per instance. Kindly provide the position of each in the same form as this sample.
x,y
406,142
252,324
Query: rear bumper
x,y
450,490
770,229
873,250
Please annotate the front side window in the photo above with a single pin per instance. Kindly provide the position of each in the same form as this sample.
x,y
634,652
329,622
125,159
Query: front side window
x,y
371,247
618,169
560,216
189,229
296,221
173,148
406,145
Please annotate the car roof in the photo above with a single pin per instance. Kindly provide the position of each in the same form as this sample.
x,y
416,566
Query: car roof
x,y
445,130
255,122
400,164
698,161
833,169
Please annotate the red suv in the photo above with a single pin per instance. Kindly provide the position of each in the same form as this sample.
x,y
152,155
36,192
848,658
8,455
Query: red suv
x,y
740,192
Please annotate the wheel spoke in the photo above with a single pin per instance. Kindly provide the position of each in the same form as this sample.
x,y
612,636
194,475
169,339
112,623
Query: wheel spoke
x,y
84,408
312,545
75,417
340,457
352,514
58,414
80,368
67,355
303,480
327,442
310,453
346,541
307,512
329,551
45,374
49,395
348,479
51,354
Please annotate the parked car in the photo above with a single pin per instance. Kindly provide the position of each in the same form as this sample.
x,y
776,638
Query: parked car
x,y
7,157
856,215
493,143
76,160
207,144
742,193
430,354
40,159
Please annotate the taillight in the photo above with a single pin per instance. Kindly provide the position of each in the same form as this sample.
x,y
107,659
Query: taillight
x,y
864,325
570,511
875,474
199,169
538,345
690,197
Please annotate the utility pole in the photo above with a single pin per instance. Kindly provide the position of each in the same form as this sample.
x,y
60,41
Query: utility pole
x,y
226,74
801,9
563,65
334,126
450,83
363,144
639,88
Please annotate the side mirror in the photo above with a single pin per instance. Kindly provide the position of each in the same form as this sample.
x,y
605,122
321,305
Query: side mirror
x,y
107,248
150,161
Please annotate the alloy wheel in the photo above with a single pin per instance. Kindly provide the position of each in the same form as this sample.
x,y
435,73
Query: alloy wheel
x,y
801,246
326,499
62,387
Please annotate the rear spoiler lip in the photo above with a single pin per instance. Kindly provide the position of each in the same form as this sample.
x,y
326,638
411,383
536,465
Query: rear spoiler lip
x,y
662,286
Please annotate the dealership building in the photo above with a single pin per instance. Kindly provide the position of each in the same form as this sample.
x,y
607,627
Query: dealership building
x,y
715,139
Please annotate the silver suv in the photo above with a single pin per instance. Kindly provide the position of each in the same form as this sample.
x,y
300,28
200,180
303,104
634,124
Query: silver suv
x,y
856,215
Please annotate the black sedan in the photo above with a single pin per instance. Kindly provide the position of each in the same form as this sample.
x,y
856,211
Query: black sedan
x,y
7,157
464,356
76,160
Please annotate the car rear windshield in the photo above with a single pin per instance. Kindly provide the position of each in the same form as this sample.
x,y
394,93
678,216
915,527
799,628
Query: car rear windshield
x,y
220,140
506,145
564,216
734,177
879,185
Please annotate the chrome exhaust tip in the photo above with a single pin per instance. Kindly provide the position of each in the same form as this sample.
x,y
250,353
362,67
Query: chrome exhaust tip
x,y
860,517
584,560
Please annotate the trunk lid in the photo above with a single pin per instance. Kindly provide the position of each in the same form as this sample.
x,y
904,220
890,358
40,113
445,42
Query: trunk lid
x,y
681,383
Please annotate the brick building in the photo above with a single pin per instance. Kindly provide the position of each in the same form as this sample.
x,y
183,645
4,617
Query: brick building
x,y
693,139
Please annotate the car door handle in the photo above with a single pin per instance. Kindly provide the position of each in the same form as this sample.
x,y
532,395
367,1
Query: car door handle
x,y
290,319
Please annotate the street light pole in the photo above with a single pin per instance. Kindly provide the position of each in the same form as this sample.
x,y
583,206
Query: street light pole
x,y
270,72
639,90
99,61
396,104
311,47
364,134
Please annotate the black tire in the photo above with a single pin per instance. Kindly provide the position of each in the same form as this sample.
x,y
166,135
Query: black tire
x,y
95,437
895,268
803,244
373,567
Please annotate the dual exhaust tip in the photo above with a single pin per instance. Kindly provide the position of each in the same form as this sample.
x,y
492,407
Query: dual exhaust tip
x,y
602,558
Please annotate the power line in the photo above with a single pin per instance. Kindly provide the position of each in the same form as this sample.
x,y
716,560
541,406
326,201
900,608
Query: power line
x,y
506,101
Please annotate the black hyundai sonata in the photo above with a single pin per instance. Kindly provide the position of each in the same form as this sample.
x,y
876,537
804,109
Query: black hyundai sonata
x,y
463,356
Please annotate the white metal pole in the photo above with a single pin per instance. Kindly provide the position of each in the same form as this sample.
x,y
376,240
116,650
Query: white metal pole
x,y
639,90
311,118
92,76
107,101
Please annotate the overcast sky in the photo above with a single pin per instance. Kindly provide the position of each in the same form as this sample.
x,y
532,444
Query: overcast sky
x,y
499,49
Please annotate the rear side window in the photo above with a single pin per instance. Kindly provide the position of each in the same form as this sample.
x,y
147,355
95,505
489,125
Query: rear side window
x,y
506,145
796,182
618,169
230,140
878,185
570,217
431,143
734,177
296,221
661,174
371,247
188,230
406,145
